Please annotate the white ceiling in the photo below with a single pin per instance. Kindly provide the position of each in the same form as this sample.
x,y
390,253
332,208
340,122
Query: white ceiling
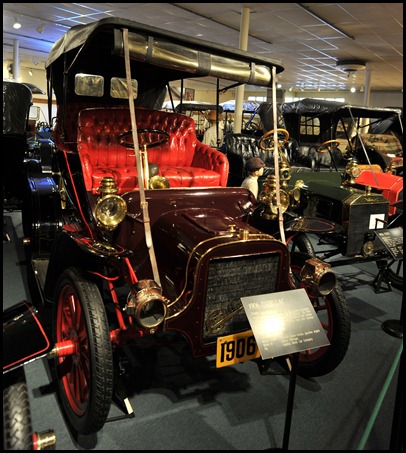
x,y
308,38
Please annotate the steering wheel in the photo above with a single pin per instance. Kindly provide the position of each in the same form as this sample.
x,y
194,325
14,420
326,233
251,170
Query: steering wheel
x,y
252,126
281,141
326,146
125,139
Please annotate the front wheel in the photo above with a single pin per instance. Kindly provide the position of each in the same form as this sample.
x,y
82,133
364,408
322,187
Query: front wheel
x,y
302,243
85,378
333,313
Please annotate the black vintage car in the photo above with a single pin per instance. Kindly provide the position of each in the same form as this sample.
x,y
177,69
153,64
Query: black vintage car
x,y
17,100
135,234
331,133
22,140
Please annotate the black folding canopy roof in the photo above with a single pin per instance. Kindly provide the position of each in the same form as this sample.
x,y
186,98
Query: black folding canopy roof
x,y
337,109
157,56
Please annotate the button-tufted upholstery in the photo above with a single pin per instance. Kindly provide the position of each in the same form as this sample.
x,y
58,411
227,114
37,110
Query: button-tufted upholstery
x,y
183,160
240,147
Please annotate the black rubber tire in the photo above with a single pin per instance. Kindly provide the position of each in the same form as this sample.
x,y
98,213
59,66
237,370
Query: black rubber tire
x,y
301,242
86,407
17,425
334,315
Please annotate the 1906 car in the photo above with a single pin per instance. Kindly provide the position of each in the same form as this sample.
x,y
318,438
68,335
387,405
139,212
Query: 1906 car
x,y
135,233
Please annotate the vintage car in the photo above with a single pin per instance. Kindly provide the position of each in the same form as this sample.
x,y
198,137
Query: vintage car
x,y
17,100
135,234
23,137
350,149
199,112
250,122
331,133
22,321
348,210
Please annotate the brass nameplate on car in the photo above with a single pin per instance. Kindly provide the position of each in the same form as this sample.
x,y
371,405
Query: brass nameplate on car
x,y
236,348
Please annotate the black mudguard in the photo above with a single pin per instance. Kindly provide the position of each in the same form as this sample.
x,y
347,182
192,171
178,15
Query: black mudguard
x,y
24,336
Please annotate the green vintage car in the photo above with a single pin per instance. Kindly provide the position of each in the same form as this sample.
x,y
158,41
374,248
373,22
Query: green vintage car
x,y
348,198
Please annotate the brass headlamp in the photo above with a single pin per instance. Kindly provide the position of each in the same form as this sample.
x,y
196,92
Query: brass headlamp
x,y
110,209
352,171
268,198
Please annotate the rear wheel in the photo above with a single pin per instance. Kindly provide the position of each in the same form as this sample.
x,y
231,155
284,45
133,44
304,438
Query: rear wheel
x,y
85,378
332,311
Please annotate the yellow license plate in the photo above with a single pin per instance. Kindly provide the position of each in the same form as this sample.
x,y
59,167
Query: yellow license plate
x,y
236,348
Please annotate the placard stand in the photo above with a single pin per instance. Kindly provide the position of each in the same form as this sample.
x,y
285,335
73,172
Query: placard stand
x,y
291,395
392,240
285,323
382,276
289,406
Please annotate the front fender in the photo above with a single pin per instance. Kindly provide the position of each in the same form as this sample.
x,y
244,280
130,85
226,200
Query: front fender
x,y
24,337
73,249
312,225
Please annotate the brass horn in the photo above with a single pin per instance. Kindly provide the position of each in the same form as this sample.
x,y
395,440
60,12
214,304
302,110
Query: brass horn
x,y
158,182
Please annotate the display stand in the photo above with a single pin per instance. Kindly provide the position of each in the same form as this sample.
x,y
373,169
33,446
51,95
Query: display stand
x,y
119,393
263,369
291,396
392,240
285,323
382,277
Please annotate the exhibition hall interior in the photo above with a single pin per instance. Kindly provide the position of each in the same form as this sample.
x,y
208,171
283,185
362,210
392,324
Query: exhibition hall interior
x,y
203,226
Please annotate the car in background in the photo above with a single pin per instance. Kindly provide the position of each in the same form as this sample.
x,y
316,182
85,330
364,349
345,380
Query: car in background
x,y
135,234
331,133
348,211
196,110
17,101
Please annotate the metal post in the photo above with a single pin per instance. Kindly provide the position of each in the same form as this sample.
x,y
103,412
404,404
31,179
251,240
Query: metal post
x,y
16,59
367,91
239,99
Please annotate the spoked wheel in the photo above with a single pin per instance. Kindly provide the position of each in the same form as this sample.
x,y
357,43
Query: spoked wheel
x,y
332,311
17,426
85,378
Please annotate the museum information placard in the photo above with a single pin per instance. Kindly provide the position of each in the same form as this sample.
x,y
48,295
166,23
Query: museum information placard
x,y
392,239
284,323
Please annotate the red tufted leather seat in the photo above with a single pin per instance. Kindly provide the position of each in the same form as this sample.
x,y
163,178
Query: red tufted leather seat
x,y
183,160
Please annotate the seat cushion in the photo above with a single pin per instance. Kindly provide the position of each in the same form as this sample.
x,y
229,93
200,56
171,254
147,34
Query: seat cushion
x,y
189,176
